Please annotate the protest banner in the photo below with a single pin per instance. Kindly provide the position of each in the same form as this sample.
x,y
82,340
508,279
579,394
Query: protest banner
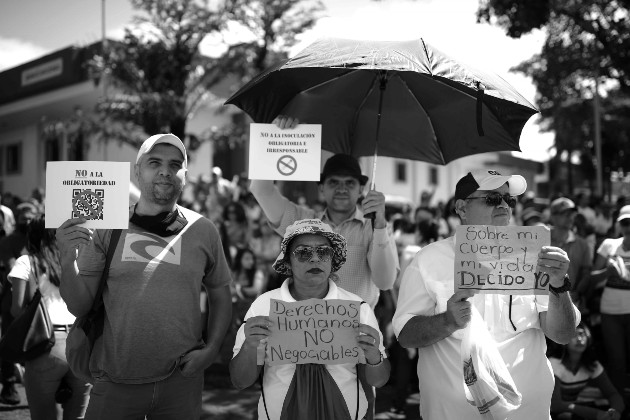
x,y
500,259
285,154
313,331
97,191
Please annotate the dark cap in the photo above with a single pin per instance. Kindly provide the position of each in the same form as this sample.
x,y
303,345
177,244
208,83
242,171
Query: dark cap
x,y
562,204
487,180
341,164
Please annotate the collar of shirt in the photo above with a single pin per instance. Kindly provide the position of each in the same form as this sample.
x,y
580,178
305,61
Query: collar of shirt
x,y
286,296
357,215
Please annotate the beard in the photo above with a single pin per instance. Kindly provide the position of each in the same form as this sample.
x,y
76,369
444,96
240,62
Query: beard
x,y
162,194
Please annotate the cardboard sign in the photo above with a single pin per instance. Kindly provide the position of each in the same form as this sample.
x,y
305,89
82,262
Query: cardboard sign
x,y
285,154
313,331
500,259
97,191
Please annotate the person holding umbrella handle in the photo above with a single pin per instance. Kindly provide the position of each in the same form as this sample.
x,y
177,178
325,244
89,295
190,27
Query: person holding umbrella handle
x,y
372,257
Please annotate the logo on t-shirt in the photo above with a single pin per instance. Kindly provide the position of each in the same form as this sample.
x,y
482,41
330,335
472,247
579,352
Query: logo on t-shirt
x,y
145,247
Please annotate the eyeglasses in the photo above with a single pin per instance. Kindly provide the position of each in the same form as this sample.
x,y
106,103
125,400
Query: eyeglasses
x,y
494,199
305,253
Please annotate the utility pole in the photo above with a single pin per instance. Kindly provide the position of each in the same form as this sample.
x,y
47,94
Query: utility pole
x,y
598,139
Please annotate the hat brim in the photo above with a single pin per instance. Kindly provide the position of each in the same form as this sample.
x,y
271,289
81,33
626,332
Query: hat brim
x,y
338,243
362,179
516,183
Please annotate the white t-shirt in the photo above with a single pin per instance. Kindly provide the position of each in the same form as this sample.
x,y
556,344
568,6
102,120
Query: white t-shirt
x,y
277,378
616,296
426,286
56,307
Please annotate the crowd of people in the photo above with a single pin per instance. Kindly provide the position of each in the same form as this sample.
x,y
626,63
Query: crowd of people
x,y
261,246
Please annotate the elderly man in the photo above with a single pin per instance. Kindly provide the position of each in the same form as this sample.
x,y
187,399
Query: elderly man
x,y
431,317
151,357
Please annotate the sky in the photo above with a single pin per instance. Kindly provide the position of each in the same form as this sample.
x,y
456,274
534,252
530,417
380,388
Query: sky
x,y
32,28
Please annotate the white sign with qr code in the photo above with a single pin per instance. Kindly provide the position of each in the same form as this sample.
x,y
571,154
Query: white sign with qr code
x,y
96,191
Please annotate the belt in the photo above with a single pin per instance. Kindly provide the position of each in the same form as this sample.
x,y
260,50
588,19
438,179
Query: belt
x,y
63,327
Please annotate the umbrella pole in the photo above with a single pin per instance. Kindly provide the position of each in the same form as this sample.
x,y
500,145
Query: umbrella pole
x,y
382,86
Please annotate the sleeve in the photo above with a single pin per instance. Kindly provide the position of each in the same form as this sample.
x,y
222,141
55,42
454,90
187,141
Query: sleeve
x,y
383,258
599,369
21,270
260,306
605,248
414,297
218,273
292,212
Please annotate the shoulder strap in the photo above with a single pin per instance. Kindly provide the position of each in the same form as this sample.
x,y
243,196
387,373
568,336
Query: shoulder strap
x,y
113,241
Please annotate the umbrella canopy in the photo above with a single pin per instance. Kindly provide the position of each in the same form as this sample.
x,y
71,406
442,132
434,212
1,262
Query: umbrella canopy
x,y
405,99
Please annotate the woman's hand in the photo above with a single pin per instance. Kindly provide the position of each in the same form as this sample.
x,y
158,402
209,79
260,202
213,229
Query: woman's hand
x,y
369,340
257,330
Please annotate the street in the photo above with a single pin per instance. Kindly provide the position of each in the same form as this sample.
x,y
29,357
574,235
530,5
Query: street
x,y
221,401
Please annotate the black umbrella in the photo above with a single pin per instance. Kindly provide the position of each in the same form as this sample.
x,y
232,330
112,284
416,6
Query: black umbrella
x,y
400,99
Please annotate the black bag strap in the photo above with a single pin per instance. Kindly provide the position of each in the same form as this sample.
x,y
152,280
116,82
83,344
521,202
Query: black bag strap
x,y
113,241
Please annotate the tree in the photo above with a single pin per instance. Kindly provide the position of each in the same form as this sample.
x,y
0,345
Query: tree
x,y
157,75
585,41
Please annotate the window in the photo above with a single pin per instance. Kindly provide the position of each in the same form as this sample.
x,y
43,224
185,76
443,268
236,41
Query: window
x,y
433,175
13,153
401,171
51,150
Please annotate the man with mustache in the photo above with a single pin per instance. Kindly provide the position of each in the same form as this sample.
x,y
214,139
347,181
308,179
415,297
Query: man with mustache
x,y
151,357
431,316
372,257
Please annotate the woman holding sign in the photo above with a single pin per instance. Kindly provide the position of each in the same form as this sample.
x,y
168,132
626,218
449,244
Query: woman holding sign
x,y
309,382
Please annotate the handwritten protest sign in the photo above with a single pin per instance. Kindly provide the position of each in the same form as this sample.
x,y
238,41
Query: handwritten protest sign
x,y
500,259
97,191
285,154
313,331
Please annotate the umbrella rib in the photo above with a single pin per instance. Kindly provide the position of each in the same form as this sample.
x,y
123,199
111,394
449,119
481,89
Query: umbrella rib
x,y
359,108
425,113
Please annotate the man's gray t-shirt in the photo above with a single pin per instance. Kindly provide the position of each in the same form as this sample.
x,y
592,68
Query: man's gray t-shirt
x,y
152,297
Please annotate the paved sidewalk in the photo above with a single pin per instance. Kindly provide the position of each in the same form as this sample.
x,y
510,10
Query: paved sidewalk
x,y
222,402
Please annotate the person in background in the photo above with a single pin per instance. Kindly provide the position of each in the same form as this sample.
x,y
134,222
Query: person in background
x,y
431,316
562,217
310,255
265,243
574,369
248,282
48,379
11,248
531,217
7,220
234,229
611,271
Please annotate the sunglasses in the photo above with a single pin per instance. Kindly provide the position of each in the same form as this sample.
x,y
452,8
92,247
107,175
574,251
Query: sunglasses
x,y
624,222
305,253
494,199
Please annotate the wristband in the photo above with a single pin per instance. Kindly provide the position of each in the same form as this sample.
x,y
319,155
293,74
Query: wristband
x,y
564,288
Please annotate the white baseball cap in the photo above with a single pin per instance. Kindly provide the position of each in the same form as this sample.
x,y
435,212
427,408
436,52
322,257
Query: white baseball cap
x,y
487,180
171,139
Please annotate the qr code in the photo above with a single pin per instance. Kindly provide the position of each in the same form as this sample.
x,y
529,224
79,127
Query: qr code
x,y
88,204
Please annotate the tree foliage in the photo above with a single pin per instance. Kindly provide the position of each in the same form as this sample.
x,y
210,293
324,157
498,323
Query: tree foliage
x,y
157,76
584,41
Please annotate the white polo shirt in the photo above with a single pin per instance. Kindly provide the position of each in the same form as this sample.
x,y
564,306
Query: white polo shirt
x,y
277,379
426,286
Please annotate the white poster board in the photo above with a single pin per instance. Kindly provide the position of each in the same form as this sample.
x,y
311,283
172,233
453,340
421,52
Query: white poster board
x,y
500,259
292,154
97,191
